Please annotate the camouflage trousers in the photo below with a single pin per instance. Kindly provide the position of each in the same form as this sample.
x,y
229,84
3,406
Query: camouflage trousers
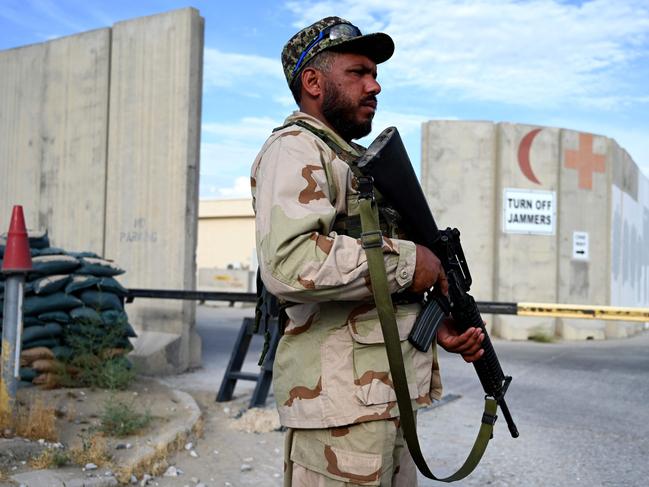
x,y
369,453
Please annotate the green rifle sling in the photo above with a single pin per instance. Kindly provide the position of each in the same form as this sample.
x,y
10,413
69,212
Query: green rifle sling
x,y
372,242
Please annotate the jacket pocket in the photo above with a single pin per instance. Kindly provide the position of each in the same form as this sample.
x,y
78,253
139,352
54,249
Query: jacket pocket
x,y
371,367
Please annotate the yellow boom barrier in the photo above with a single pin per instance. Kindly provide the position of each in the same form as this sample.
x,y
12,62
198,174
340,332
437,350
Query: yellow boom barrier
x,y
583,311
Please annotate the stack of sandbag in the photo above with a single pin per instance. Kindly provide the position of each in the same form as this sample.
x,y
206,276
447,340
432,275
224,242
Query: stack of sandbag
x,y
73,305
40,366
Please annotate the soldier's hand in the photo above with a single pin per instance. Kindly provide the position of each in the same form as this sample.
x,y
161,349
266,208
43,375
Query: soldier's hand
x,y
468,343
428,272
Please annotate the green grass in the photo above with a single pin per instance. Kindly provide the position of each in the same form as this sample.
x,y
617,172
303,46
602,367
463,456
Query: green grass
x,y
121,419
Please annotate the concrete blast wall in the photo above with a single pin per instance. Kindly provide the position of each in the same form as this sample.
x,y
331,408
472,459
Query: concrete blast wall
x,y
99,141
53,127
546,215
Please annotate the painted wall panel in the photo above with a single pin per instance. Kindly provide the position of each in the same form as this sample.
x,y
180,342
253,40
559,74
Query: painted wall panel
x,y
75,114
458,179
585,173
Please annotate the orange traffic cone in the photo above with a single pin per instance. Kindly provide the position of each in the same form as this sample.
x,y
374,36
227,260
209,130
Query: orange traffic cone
x,y
17,257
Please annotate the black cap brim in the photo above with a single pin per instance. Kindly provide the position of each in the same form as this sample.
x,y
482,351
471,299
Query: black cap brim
x,y
379,47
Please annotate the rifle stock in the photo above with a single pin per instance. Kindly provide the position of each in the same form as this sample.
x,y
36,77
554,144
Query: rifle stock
x,y
387,162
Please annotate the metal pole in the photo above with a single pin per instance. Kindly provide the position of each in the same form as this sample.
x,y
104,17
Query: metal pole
x,y
11,341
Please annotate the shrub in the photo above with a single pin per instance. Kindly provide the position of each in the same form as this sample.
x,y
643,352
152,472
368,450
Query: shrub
x,y
120,419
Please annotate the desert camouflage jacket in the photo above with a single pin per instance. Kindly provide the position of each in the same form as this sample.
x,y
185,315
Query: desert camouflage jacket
x,y
331,367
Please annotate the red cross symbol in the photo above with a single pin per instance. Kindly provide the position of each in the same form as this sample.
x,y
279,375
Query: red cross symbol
x,y
585,161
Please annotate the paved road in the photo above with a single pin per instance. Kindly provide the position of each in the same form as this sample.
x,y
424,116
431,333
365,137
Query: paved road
x,y
582,409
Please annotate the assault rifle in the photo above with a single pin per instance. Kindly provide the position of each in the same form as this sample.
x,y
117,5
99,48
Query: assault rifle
x,y
386,162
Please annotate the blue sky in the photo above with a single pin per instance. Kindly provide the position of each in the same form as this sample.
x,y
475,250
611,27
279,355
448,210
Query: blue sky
x,y
578,65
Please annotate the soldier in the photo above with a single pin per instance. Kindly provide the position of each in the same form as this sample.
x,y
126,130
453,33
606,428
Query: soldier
x,y
331,376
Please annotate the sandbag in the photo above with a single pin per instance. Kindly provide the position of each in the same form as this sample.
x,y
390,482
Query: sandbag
x,y
50,284
52,251
38,239
32,321
81,282
101,300
114,317
83,254
111,285
45,342
54,264
50,330
128,330
35,354
48,365
27,374
84,313
58,316
35,305
98,267
62,352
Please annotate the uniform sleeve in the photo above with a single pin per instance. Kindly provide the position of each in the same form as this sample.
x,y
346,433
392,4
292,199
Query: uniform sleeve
x,y
300,259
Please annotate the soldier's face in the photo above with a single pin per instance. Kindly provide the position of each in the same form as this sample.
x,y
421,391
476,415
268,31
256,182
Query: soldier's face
x,y
350,89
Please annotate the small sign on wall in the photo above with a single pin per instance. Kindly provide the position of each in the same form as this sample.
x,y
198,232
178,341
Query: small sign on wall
x,y
529,211
580,246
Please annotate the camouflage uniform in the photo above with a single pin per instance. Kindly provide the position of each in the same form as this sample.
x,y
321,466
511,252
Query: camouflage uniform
x,y
331,369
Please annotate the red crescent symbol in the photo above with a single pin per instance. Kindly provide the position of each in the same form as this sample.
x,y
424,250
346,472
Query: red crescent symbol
x,y
524,156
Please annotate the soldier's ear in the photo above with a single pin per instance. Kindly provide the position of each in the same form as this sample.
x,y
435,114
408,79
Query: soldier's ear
x,y
312,82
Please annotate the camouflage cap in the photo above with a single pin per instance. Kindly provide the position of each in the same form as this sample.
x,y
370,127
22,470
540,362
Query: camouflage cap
x,y
324,35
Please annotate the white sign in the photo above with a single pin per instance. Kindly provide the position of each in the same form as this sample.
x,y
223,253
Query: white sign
x,y
580,245
529,211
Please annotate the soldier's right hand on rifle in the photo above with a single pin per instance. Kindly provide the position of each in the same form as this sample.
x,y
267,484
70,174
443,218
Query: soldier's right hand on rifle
x,y
428,272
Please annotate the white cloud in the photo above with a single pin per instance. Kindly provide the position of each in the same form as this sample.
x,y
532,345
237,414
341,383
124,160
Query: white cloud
x,y
226,159
530,53
244,71
240,189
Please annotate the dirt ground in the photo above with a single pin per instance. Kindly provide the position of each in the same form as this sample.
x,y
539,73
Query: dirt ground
x,y
239,447
77,418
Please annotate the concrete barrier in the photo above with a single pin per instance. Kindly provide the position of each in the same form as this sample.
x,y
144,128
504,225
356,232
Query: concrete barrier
x,y
99,141
546,215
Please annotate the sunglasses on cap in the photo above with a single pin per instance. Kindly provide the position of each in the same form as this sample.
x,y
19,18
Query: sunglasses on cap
x,y
336,31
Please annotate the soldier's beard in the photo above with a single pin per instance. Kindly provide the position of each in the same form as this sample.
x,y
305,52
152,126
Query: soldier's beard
x,y
341,113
